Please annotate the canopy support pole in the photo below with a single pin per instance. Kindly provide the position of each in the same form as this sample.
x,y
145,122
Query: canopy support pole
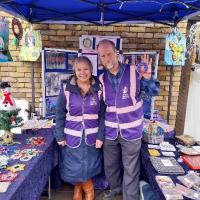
x,y
170,92
33,87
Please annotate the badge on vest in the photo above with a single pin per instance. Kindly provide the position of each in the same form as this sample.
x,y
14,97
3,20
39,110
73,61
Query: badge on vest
x,y
93,101
125,93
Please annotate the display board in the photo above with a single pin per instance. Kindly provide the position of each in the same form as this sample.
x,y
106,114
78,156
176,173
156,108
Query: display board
x,y
56,66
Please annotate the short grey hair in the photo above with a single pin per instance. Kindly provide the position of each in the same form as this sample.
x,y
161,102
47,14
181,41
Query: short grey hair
x,y
106,41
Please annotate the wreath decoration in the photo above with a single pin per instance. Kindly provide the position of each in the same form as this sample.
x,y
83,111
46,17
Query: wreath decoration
x,y
19,33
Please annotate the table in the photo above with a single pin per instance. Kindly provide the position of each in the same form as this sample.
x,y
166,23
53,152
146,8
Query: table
x,y
31,182
148,173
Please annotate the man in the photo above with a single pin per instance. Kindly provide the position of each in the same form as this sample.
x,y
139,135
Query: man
x,y
123,123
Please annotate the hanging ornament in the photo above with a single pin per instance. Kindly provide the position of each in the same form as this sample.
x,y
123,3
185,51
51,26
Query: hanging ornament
x,y
17,34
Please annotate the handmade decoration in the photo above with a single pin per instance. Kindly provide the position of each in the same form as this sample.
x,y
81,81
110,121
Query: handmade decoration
x,y
25,154
4,186
17,34
31,45
8,114
35,141
16,167
3,161
8,176
175,48
4,41
193,162
186,139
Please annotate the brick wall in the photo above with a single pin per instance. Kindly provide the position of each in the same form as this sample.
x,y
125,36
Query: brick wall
x,y
149,37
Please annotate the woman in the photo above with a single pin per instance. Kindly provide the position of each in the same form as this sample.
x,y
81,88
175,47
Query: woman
x,y
79,128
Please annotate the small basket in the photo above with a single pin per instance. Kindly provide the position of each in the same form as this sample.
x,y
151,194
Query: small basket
x,y
153,134
153,139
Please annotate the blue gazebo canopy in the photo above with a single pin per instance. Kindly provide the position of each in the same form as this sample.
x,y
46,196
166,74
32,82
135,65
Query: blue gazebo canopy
x,y
102,12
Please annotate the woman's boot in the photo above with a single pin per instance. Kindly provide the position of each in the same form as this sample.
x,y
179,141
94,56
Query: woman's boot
x,y
88,189
78,192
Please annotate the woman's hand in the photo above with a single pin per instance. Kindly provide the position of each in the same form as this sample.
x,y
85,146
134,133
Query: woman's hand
x,y
99,144
62,143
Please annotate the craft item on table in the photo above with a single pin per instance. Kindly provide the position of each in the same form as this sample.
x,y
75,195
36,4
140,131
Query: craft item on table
x,y
166,146
35,141
4,186
152,133
193,162
8,176
25,154
164,181
189,151
16,168
175,48
153,146
186,140
189,193
165,165
197,148
168,188
3,161
31,45
153,152
167,153
171,193
17,34
3,150
190,180
36,124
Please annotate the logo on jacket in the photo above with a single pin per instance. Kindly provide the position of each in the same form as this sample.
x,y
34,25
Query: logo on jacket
x,y
125,94
93,101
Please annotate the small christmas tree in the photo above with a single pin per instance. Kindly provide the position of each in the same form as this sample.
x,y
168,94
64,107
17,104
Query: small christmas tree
x,y
9,114
9,119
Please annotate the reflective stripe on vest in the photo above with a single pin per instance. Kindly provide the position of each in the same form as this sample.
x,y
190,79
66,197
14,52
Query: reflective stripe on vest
x,y
124,109
81,118
124,125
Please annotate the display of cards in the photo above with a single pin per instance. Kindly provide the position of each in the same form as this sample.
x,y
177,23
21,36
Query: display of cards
x,y
187,192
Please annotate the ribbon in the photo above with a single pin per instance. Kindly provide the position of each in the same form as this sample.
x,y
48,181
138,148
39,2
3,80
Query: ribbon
x,y
7,99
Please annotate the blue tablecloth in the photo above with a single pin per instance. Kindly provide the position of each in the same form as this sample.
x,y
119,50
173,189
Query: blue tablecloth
x,y
31,182
148,172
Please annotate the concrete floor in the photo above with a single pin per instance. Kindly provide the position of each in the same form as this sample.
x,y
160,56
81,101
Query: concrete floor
x,y
66,193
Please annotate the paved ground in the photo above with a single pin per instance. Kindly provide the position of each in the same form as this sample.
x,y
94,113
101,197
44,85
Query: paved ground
x,y
66,193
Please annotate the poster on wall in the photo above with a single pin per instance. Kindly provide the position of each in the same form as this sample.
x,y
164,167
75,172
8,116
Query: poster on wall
x,y
146,64
4,41
31,45
56,67
90,42
175,49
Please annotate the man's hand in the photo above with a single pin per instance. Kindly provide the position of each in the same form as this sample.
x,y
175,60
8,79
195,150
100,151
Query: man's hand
x,y
62,143
99,144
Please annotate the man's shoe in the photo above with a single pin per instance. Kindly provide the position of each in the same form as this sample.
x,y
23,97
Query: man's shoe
x,y
110,195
